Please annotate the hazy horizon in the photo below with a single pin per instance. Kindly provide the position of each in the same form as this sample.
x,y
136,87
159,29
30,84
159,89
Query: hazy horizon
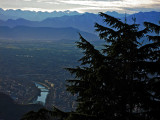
x,y
82,6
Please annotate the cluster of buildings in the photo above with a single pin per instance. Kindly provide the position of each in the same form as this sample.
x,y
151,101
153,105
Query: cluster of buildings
x,y
21,91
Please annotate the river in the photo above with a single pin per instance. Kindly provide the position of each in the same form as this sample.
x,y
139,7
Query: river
x,y
43,94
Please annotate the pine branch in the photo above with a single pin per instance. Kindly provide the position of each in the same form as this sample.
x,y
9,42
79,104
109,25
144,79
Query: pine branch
x,y
152,27
79,72
111,21
154,38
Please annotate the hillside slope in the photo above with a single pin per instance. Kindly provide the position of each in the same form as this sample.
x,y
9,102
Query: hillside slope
x,y
43,33
12,111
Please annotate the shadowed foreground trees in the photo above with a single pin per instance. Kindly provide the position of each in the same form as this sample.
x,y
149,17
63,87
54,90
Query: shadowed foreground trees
x,y
122,81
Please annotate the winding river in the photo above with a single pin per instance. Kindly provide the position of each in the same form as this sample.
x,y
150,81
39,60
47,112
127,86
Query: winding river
x,y
43,94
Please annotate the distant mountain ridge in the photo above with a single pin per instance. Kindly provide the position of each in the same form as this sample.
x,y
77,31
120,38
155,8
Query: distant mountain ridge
x,y
32,15
65,27
116,14
43,33
84,22
152,16
39,16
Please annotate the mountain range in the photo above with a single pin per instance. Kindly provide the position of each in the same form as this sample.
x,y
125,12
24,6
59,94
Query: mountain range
x,y
33,15
39,16
43,33
65,27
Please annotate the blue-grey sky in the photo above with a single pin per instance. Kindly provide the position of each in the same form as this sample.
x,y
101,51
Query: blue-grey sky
x,y
94,6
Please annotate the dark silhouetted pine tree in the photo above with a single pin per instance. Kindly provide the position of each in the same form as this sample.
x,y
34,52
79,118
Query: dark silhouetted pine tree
x,y
118,83
154,82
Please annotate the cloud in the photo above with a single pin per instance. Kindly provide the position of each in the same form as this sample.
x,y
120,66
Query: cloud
x,y
27,0
112,5
143,8
128,6
94,4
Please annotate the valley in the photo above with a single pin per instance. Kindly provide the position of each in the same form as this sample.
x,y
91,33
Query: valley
x,y
34,55
25,62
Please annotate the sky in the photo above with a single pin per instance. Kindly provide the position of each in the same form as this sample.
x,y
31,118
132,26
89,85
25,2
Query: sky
x,y
92,6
